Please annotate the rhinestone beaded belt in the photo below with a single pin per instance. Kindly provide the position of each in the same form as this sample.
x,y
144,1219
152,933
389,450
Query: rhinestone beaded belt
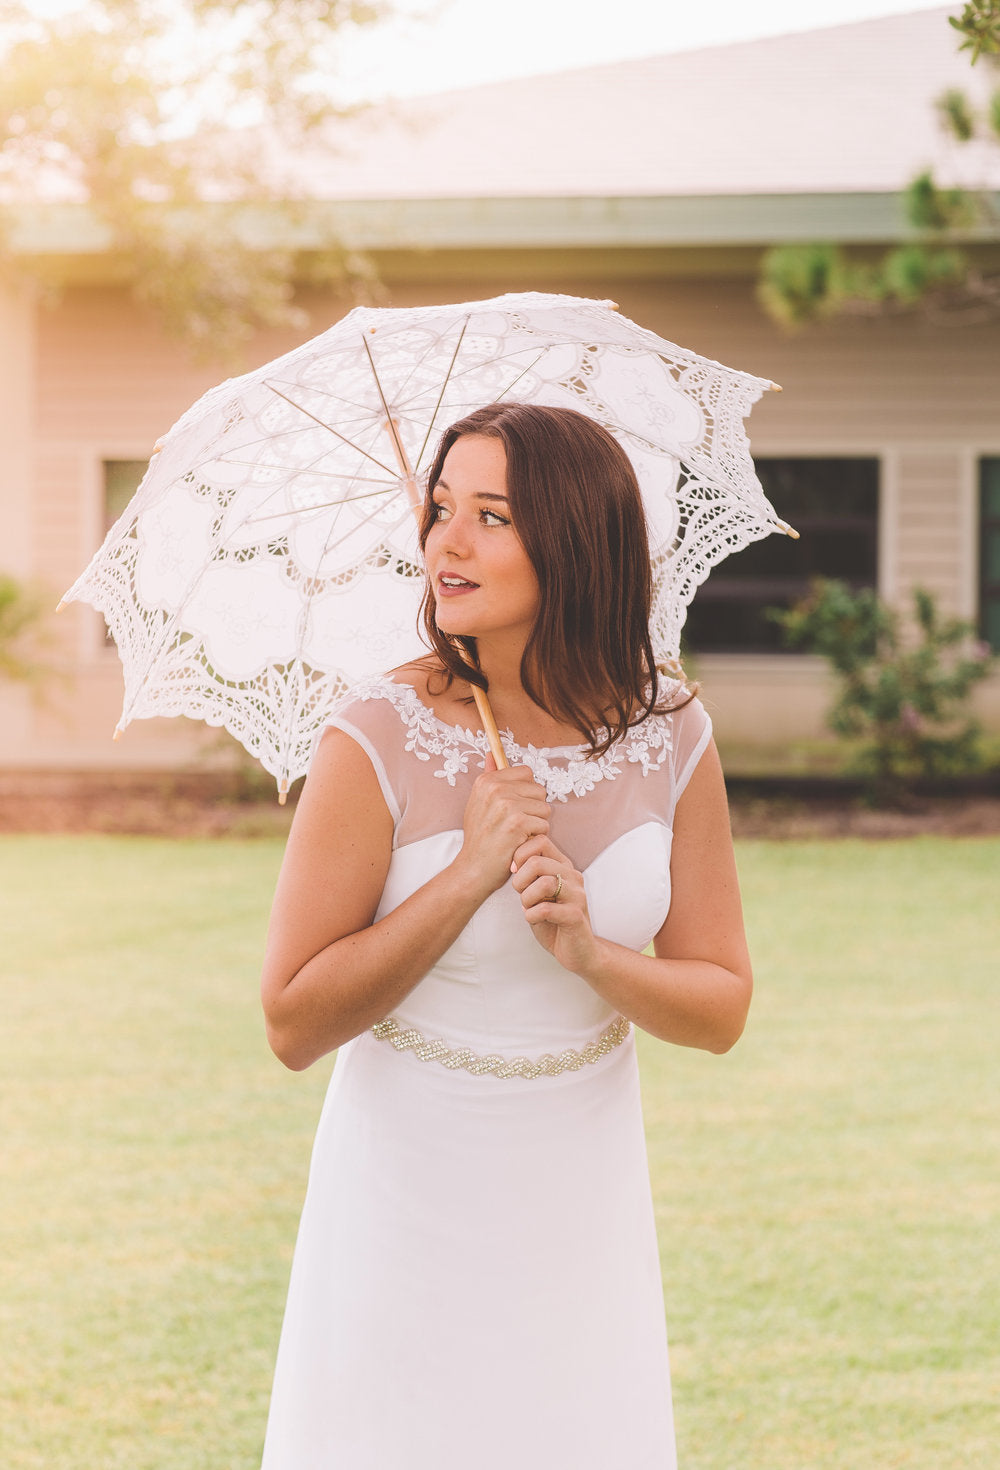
x,y
462,1059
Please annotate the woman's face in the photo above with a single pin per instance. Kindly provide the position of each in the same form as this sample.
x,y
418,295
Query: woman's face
x,y
484,585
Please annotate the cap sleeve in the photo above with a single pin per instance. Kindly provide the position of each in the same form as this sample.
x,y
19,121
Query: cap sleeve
x,y
692,730
374,725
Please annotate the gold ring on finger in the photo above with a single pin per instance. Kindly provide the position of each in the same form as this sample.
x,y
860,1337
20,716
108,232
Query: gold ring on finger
x,y
559,887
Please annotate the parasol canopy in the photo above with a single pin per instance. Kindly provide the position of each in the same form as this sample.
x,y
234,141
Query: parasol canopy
x,y
269,558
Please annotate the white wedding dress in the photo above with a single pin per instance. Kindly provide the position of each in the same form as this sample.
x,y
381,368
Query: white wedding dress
x,y
476,1280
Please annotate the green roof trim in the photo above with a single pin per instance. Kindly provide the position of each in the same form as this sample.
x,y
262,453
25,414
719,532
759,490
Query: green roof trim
x,y
511,223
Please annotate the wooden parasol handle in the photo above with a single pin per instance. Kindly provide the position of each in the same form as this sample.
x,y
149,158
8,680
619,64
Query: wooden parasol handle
x,y
490,726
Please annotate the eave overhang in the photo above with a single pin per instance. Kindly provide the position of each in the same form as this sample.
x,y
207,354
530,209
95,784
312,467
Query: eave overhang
x,y
680,222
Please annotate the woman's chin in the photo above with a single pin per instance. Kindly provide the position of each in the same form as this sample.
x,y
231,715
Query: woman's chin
x,y
454,627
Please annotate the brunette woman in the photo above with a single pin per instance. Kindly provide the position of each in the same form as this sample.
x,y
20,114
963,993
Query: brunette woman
x,y
476,1279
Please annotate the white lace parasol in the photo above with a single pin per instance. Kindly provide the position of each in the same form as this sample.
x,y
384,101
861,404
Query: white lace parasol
x,y
269,558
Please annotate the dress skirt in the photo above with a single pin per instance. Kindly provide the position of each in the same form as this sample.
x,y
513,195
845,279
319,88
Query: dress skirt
x,y
476,1280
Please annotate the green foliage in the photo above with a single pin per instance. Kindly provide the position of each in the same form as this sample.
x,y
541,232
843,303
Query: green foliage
x,y
171,121
956,114
806,283
979,23
798,283
931,208
21,612
910,272
902,691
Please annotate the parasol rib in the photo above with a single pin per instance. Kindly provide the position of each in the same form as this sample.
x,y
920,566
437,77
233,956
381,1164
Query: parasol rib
x,y
349,442
410,481
440,397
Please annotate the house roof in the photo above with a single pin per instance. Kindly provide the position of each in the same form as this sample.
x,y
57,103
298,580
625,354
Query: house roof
x,y
799,137
842,110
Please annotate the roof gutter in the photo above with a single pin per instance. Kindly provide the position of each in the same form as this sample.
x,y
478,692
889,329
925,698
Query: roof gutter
x,y
754,220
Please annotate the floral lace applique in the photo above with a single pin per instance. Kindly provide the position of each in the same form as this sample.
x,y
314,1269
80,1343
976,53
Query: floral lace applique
x,y
427,737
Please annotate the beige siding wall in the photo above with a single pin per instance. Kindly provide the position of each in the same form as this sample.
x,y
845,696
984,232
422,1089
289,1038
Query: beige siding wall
x,y
929,526
95,379
18,376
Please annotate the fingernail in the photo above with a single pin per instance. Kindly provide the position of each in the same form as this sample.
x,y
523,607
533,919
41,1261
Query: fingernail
x,y
513,867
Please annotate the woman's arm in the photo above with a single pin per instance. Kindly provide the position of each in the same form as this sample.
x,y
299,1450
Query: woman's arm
x,y
696,991
329,971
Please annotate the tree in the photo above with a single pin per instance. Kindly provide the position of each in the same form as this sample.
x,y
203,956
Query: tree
x,y
170,119
802,283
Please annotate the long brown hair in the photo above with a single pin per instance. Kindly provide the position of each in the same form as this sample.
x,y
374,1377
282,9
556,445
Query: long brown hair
x,y
577,509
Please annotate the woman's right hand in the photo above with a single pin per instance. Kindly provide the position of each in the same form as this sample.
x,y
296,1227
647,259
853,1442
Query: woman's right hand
x,y
504,810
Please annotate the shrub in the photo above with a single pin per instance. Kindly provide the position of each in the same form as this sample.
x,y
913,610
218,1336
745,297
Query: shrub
x,y
903,691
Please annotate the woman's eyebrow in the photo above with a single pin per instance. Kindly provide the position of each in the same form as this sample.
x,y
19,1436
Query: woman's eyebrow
x,y
477,495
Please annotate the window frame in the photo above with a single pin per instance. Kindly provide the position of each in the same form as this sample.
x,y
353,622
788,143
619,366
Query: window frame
x,y
983,457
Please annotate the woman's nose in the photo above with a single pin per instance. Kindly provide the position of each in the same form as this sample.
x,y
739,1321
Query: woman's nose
x,y
454,535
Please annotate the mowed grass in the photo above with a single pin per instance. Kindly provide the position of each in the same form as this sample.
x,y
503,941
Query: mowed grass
x,y
828,1193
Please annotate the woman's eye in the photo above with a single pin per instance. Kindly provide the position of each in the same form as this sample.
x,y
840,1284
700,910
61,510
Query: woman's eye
x,y
493,518
441,512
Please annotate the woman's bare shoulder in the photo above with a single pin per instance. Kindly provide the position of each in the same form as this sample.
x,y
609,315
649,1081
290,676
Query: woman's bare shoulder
x,y
419,672
445,696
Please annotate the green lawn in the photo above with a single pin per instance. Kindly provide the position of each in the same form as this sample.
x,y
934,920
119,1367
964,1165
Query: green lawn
x,y
828,1194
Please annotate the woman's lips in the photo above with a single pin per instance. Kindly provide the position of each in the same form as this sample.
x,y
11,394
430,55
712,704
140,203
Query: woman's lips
x,y
455,587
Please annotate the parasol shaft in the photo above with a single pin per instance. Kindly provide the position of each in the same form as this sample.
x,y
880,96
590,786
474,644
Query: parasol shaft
x,y
490,726
416,505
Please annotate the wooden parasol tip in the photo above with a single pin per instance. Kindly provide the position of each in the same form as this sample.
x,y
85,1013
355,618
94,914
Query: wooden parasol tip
x,y
118,733
788,530
775,388
283,792
60,604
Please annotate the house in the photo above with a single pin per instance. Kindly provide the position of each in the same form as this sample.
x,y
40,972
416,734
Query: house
x,y
658,183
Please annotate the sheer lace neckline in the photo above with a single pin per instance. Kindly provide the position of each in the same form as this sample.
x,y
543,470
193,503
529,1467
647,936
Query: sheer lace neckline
x,y
564,771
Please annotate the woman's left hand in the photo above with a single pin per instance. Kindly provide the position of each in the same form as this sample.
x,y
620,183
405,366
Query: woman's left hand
x,y
554,902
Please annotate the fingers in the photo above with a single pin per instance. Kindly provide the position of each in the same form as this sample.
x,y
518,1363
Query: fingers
x,y
513,778
546,893
567,912
505,809
547,882
516,783
538,846
517,792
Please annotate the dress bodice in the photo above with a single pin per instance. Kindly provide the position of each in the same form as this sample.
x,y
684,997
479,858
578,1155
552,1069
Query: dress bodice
x,y
495,988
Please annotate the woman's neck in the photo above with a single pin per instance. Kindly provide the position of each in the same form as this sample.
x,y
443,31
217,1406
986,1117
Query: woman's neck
x,y
513,708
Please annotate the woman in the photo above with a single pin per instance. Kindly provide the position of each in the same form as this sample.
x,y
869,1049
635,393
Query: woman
x,y
476,1280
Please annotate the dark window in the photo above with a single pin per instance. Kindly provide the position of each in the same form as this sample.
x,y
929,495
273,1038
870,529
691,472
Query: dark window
x,y
989,552
121,481
833,504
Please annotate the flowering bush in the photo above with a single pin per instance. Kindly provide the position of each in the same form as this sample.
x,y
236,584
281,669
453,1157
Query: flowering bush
x,y
903,690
